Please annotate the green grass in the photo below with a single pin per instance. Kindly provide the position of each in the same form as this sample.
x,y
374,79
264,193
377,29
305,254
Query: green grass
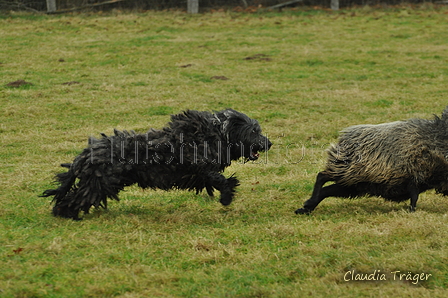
x,y
319,72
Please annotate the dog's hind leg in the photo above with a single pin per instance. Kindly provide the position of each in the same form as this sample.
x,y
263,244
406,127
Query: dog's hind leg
x,y
85,185
63,195
209,190
92,189
225,185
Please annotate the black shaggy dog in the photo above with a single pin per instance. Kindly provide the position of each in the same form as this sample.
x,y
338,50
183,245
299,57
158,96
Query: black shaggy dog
x,y
397,161
190,153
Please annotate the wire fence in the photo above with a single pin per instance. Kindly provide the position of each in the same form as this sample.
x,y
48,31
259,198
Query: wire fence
x,y
204,5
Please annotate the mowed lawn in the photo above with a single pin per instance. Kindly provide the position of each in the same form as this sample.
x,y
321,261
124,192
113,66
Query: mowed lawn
x,y
304,74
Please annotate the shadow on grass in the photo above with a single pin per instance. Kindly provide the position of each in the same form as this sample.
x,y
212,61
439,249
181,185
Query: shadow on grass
x,y
377,205
188,208
162,209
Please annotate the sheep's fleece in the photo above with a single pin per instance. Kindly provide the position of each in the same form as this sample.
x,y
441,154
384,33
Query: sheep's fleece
x,y
396,160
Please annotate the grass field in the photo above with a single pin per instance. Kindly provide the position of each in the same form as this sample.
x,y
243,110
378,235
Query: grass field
x,y
304,74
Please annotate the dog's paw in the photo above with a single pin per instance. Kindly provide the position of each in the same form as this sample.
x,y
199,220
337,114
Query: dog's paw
x,y
225,201
66,212
226,198
303,211
233,182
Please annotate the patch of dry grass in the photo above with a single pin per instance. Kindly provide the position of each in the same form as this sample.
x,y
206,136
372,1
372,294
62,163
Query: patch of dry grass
x,y
304,75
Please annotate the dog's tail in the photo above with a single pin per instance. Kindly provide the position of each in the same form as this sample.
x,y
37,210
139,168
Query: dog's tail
x,y
63,196
98,173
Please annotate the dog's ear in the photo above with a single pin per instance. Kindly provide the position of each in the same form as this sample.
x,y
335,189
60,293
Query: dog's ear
x,y
445,114
229,113
225,114
223,118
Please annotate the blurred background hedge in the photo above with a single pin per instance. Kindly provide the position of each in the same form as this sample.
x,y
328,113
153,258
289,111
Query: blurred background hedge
x,y
204,5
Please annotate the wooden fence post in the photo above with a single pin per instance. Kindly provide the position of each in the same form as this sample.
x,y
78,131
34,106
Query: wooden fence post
x,y
51,5
193,6
334,4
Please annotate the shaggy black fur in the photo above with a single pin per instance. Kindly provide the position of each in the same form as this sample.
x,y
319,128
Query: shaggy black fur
x,y
190,153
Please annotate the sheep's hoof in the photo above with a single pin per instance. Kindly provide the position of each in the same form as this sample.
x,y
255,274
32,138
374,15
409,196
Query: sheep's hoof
x,y
303,211
411,209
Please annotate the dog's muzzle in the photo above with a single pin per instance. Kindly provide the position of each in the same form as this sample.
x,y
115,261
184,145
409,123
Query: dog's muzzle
x,y
263,146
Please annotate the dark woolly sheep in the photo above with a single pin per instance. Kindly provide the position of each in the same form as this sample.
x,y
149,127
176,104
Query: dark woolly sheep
x,y
397,161
190,153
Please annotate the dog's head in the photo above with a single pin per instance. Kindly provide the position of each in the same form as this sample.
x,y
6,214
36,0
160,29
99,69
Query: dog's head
x,y
243,135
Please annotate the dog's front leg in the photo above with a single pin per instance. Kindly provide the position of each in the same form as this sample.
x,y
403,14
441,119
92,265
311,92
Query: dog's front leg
x,y
225,185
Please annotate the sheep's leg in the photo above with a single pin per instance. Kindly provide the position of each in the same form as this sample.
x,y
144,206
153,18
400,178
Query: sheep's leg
x,y
320,192
316,198
334,190
413,193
